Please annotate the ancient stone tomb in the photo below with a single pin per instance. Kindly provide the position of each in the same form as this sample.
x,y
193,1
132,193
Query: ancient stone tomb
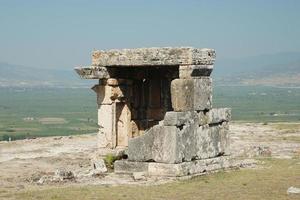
x,y
156,103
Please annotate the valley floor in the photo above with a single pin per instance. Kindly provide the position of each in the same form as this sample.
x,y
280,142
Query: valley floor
x,y
276,146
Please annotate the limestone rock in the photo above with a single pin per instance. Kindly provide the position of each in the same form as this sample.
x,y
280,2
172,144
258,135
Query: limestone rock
x,y
188,168
217,115
171,144
158,144
125,166
293,190
153,57
98,165
89,72
202,93
178,118
139,176
214,116
203,118
182,94
63,174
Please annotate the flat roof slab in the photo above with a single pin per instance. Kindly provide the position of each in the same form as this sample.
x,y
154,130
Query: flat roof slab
x,y
153,57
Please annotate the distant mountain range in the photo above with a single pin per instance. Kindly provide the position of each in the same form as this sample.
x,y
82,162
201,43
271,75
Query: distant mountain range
x,y
23,76
282,69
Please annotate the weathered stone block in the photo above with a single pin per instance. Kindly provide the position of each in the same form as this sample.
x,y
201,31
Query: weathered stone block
x,y
202,93
217,115
173,118
107,94
154,57
106,122
203,118
157,144
182,94
194,71
124,166
215,141
140,148
188,168
214,116
90,72
169,144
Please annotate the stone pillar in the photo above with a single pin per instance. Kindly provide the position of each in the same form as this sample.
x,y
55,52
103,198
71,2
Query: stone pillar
x,y
114,114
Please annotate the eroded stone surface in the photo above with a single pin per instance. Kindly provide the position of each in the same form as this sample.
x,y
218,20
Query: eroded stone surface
x,y
154,57
174,170
202,93
215,115
171,144
89,72
182,94
173,118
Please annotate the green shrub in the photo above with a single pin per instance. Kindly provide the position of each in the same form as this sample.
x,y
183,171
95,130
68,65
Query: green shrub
x,y
110,159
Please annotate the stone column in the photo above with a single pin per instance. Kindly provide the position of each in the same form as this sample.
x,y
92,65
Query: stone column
x,y
113,113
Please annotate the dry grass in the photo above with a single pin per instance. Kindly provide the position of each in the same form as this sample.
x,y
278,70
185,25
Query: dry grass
x,y
270,181
288,127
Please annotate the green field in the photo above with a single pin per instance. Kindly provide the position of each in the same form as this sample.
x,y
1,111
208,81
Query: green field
x,y
26,113
258,103
30,112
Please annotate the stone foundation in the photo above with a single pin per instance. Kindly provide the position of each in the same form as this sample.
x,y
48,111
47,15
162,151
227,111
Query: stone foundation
x,y
195,167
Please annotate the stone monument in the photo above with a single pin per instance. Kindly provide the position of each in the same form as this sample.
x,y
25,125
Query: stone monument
x,y
156,104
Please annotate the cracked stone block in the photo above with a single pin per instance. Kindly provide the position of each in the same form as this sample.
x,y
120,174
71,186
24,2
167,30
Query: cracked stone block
x,y
217,115
173,118
171,144
214,116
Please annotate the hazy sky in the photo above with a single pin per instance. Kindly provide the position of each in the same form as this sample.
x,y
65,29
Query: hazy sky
x,y
63,33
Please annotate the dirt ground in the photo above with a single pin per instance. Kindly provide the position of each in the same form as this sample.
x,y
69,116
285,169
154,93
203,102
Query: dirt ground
x,y
23,162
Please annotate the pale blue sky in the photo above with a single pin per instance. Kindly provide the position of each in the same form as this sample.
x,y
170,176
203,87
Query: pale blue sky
x,y
63,33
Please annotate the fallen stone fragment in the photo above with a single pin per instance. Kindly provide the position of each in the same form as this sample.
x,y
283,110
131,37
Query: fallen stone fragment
x,y
63,174
139,176
98,165
293,190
